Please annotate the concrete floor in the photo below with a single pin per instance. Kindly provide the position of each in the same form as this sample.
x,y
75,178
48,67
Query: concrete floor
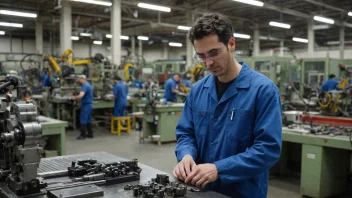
x,y
159,157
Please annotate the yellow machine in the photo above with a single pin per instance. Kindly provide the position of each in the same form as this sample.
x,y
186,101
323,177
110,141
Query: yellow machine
x,y
337,102
129,71
196,72
184,88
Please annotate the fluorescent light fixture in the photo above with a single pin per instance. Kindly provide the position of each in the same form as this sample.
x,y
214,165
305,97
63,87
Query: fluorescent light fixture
x,y
281,25
11,24
154,7
21,14
74,38
175,44
164,41
349,13
269,38
324,20
98,42
85,34
244,36
251,2
321,27
104,3
337,42
121,37
301,40
124,37
2,32
183,27
143,38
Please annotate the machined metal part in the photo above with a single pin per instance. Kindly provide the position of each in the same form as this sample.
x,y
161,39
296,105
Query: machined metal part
x,y
88,191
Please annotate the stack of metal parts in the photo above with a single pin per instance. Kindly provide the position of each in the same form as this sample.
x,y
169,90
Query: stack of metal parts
x,y
20,152
112,173
159,187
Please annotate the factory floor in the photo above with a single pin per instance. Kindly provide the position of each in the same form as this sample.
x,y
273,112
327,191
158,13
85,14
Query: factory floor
x,y
159,157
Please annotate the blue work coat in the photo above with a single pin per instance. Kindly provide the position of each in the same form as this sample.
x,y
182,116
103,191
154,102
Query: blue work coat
x,y
86,104
330,84
120,91
170,85
241,134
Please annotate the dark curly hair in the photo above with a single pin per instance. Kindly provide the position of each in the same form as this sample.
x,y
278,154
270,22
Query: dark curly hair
x,y
211,24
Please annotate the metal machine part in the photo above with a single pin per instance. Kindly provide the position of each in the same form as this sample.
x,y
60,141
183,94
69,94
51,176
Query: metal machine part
x,y
20,152
159,187
89,191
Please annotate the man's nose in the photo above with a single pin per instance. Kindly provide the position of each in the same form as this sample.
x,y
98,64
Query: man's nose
x,y
208,62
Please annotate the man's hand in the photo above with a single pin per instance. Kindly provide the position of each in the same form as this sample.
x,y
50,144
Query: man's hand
x,y
202,174
184,167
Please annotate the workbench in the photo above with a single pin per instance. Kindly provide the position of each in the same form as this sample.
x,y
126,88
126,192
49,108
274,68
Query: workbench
x,y
324,162
56,131
51,166
159,122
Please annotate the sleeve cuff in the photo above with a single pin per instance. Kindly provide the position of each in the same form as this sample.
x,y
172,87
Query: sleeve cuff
x,y
181,153
221,167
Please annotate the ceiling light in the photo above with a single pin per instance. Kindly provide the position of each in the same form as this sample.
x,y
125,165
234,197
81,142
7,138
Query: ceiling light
x,y
74,38
85,34
164,41
124,37
321,27
154,7
281,25
251,2
175,44
349,13
301,40
21,14
244,36
269,38
324,20
98,42
183,27
11,24
121,37
143,38
2,33
104,3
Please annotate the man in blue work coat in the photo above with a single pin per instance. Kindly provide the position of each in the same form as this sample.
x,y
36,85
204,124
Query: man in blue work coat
x,y
230,130
85,117
330,84
120,94
187,81
46,81
172,87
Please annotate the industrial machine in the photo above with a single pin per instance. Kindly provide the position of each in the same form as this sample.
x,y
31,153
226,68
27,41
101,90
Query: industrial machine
x,y
20,152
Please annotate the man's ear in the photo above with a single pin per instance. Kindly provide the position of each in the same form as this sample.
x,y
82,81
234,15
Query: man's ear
x,y
232,44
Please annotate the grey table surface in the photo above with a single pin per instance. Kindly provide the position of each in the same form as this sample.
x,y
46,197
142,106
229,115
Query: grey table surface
x,y
61,163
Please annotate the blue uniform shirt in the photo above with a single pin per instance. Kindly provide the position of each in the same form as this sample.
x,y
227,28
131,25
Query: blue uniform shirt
x,y
120,91
241,133
187,83
88,96
170,85
330,84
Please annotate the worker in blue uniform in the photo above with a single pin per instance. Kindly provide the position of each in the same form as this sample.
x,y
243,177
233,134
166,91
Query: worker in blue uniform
x,y
172,87
230,130
46,75
186,81
330,84
85,118
120,95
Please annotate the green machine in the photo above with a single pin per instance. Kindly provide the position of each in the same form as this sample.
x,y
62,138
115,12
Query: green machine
x,y
315,71
159,122
281,70
166,67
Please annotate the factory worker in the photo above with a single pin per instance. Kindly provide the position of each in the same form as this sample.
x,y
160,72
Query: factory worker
x,y
120,95
172,87
330,84
230,130
85,117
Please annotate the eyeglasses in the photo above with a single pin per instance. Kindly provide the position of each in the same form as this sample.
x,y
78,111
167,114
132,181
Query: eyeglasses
x,y
211,55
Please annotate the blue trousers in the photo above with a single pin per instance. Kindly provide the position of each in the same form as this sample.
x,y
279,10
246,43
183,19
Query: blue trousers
x,y
86,114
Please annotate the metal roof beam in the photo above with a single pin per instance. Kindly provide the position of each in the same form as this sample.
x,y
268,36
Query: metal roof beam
x,y
315,2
